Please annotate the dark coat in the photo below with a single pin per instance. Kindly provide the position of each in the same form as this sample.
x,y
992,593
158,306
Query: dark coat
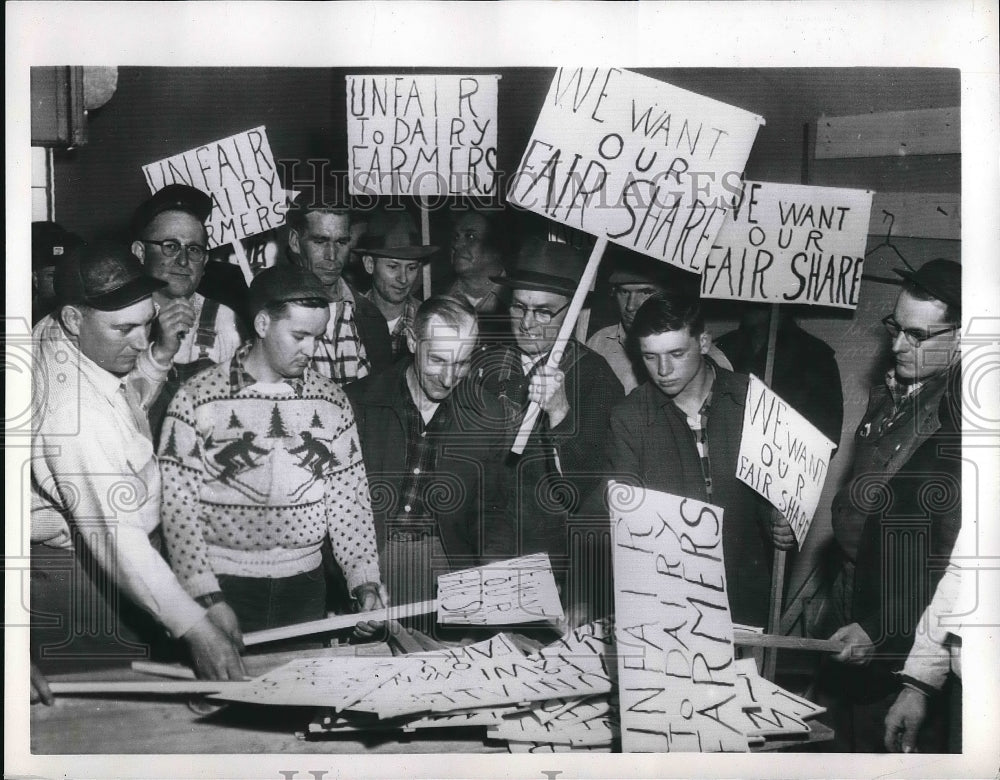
x,y
911,524
806,374
373,332
560,466
652,444
471,520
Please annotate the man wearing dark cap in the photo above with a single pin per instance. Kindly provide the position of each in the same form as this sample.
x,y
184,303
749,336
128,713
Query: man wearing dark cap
x,y
897,516
95,486
171,242
393,254
356,342
261,464
633,280
50,243
559,466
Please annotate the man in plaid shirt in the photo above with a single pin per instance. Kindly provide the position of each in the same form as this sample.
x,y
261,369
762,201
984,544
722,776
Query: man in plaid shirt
x,y
356,342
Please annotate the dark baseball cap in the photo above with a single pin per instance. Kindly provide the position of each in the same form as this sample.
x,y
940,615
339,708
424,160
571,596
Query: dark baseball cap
x,y
105,276
282,283
50,243
940,278
173,197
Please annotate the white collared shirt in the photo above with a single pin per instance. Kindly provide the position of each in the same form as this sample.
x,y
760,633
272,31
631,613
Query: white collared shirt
x,y
93,462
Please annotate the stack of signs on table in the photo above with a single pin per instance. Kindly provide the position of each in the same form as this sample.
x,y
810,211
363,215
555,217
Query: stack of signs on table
x,y
561,697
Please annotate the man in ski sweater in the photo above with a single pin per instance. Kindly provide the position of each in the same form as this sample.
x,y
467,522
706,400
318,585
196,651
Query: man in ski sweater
x,y
261,461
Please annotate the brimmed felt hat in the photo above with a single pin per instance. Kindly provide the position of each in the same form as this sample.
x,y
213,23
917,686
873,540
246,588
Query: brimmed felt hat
x,y
50,243
546,266
941,278
282,283
105,276
394,234
173,197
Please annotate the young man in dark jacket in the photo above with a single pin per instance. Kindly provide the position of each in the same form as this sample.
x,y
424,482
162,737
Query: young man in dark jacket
x,y
680,433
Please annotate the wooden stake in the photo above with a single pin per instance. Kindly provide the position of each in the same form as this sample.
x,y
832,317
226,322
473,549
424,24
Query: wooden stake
x,y
555,356
338,622
775,641
160,687
778,571
425,237
242,260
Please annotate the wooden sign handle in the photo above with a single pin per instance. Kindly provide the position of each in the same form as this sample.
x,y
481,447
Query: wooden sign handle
x,y
555,356
778,569
338,622
425,237
242,260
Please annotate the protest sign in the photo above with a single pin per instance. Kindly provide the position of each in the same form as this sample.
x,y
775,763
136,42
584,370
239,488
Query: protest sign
x,y
782,456
239,174
520,590
634,160
790,243
422,135
674,632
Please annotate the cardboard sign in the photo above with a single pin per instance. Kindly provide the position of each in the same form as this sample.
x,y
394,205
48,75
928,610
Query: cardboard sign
x,y
240,175
782,456
422,135
643,163
676,678
520,590
789,243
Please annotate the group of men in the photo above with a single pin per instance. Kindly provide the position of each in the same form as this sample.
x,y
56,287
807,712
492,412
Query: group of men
x,y
365,439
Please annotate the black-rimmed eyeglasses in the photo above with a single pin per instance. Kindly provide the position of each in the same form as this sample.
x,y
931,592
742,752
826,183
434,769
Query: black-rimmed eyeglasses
x,y
913,336
195,253
542,316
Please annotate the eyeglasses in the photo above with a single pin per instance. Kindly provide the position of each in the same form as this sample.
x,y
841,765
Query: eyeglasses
x,y
913,336
195,253
542,316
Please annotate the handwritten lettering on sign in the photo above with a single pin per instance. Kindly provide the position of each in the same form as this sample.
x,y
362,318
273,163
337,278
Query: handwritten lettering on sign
x,y
422,135
676,678
519,590
239,174
789,243
782,456
648,165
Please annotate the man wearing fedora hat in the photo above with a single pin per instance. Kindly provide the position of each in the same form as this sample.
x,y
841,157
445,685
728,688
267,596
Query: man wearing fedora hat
x,y
95,485
393,255
171,241
633,280
897,516
559,467
321,238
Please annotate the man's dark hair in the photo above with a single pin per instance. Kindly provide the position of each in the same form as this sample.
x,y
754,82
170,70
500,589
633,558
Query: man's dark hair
x,y
279,309
295,217
668,311
952,315
449,310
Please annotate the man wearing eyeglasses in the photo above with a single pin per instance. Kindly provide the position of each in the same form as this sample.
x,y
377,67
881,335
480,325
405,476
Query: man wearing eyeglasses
x,y
559,466
897,517
171,242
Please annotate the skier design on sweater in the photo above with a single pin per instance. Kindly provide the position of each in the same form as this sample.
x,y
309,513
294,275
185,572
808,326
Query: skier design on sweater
x,y
316,457
237,456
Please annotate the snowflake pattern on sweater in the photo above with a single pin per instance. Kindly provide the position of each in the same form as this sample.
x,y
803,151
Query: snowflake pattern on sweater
x,y
255,477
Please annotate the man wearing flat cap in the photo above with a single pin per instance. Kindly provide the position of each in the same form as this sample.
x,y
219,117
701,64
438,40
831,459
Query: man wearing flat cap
x,y
356,343
559,466
171,242
393,255
261,465
633,280
897,516
50,243
95,485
